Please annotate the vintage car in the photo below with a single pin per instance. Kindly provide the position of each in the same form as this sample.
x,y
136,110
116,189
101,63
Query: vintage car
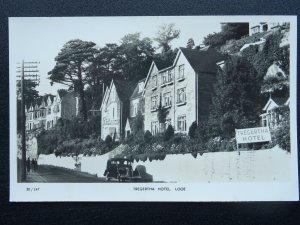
x,y
121,169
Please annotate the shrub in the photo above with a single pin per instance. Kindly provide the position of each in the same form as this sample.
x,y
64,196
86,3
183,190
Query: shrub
x,y
194,154
169,133
108,140
282,137
161,156
192,129
147,136
143,157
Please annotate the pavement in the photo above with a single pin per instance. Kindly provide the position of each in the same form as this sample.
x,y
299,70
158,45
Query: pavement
x,y
52,174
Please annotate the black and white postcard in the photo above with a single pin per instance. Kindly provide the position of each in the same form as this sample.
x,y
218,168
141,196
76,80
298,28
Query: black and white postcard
x,y
183,108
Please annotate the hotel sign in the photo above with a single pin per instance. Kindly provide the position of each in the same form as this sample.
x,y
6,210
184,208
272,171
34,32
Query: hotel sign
x,y
251,135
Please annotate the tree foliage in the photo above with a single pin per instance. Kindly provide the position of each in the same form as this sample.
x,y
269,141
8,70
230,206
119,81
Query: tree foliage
x,y
169,133
166,34
236,101
138,124
229,31
282,134
30,92
270,54
192,129
135,56
30,95
162,113
71,67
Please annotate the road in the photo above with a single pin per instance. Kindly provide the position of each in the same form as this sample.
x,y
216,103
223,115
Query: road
x,y
52,174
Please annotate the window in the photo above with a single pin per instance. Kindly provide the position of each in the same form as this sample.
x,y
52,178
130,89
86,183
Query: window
x,y
135,108
167,76
164,77
255,29
264,121
154,80
265,27
49,111
167,99
154,103
181,97
181,72
170,75
181,123
154,127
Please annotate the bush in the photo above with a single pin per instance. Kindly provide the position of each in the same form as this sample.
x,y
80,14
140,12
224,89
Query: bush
x,y
282,137
192,129
169,133
108,140
194,154
147,136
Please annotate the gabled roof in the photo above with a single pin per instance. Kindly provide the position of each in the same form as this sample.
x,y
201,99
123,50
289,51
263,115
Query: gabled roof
x,y
124,89
278,101
203,60
136,93
162,65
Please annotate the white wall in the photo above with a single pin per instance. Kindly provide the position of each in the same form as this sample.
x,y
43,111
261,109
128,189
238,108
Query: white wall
x,y
270,165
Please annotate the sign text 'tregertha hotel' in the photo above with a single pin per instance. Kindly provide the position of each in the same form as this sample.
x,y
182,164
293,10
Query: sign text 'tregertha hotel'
x,y
249,135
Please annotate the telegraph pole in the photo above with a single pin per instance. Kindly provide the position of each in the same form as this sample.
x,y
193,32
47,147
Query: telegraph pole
x,y
28,70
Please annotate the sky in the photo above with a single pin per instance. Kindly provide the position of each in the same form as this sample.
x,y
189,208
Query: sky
x,y
40,39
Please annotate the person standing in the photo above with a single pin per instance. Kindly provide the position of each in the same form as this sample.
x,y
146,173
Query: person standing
x,y
28,164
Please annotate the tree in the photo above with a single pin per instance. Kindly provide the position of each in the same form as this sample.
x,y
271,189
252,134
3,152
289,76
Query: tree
x,y
271,53
71,66
282,133
30,92
161,116
169,133
134,57
108,140
192,129
147,136
166,34
62,92
30,95
229,31
236,100
138,124
190,44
